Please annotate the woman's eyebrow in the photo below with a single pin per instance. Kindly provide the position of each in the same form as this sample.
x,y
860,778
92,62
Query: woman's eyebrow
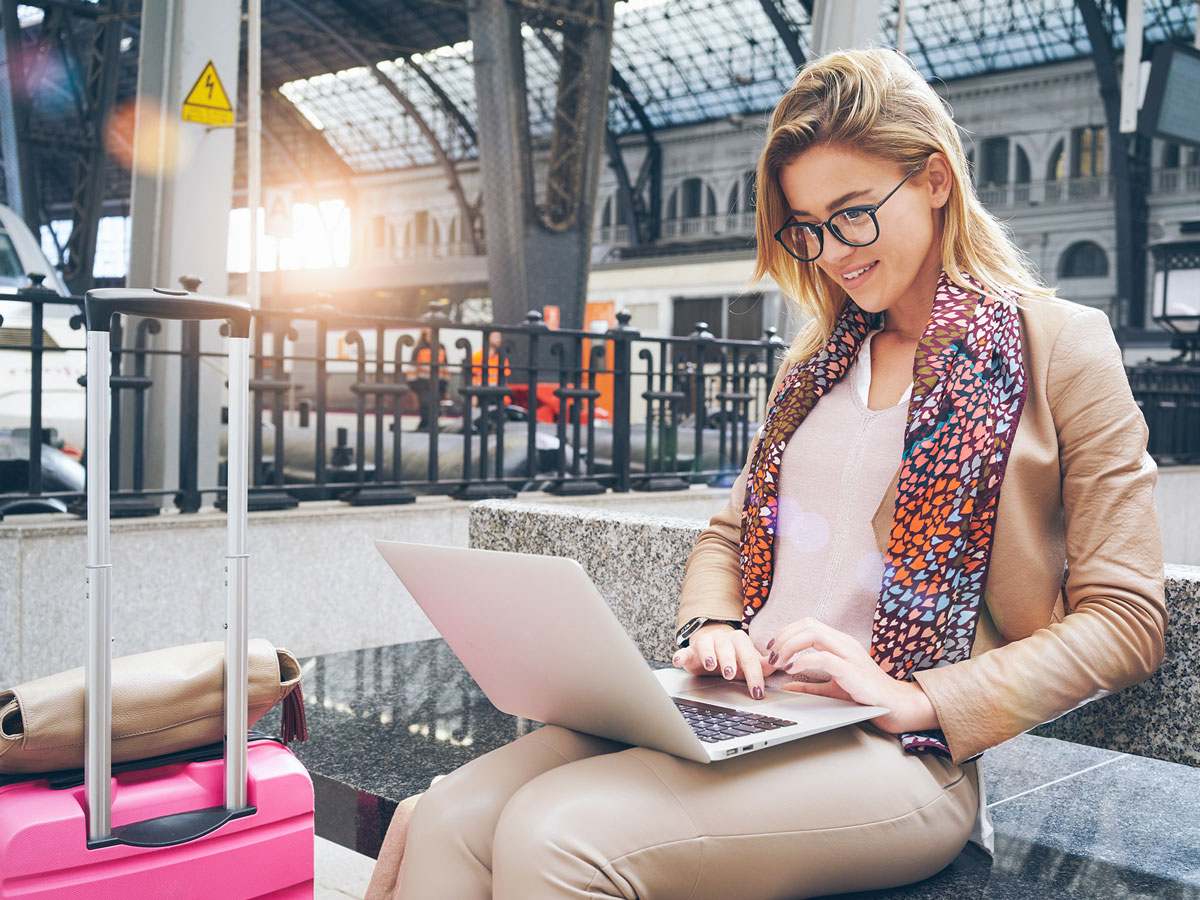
x,y
836,204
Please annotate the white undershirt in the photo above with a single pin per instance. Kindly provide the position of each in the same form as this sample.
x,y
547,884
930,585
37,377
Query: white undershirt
x,y
864,371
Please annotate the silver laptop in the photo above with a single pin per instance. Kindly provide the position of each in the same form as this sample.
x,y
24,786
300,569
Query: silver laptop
x,y
541,643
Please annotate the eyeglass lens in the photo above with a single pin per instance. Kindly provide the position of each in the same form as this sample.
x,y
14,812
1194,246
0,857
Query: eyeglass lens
x,y
852,226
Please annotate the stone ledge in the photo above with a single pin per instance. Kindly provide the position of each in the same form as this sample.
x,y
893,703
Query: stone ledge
x,y
1156,718
317,584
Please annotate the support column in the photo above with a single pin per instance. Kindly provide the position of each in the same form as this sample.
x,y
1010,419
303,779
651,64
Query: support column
x,y
180,210
20,178
1129,157
539,248
844,24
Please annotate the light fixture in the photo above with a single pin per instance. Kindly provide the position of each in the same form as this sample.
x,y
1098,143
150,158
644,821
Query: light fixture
x,y
1175,302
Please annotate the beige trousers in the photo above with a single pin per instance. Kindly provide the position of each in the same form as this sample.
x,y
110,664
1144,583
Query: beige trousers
x,y
558,814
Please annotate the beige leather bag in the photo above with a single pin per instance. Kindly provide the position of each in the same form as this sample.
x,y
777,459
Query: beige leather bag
x,y
163,701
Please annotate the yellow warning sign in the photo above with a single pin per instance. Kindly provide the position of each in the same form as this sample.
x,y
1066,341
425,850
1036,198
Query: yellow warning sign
x,y
207,102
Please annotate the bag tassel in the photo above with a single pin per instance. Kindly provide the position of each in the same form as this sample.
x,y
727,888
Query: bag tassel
x,y
295,723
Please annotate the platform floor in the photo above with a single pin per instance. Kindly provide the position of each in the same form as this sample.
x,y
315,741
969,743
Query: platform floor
x,y
342,874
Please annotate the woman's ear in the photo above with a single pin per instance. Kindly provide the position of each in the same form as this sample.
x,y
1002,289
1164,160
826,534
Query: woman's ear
x,y
937,176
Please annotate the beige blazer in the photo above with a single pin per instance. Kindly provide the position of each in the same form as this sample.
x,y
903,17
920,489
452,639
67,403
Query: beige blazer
x,y
1079,492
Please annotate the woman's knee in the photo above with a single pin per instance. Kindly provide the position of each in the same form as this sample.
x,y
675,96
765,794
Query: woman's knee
x,y
603,825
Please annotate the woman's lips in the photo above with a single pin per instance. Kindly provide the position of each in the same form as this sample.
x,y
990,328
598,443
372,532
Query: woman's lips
x,y
859,279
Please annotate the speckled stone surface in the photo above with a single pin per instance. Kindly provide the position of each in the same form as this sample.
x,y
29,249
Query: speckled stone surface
x,y
1071,821
637,561
382,723
1161,716
1139,815
10,608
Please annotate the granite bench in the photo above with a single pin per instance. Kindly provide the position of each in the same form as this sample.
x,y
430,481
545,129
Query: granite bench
x,y
1102,803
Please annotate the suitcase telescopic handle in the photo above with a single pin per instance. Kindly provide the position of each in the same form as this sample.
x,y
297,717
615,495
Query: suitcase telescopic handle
x,y
100,306
161,303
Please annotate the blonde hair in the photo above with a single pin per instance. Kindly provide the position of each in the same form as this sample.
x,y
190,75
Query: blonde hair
x,y
876,102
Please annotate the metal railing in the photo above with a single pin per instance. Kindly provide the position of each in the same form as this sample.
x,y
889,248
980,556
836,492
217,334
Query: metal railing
x,y
348,407
370,410
1173,181
1169,397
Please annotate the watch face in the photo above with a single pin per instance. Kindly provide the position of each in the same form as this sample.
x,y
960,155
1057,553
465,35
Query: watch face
x,y
688,629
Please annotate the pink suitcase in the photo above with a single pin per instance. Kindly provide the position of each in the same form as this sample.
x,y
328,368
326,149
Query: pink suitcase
x,y
192,829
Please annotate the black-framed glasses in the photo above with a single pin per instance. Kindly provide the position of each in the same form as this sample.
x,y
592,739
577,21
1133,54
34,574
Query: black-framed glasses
x,y
854,225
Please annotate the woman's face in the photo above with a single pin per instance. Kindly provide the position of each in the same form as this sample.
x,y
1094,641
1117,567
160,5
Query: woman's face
x,y
900,269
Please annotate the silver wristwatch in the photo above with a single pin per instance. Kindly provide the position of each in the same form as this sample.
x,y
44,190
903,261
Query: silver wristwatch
x,y
688,628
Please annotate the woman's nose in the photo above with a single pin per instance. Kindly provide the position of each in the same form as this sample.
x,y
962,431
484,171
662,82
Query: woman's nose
x,y
835,252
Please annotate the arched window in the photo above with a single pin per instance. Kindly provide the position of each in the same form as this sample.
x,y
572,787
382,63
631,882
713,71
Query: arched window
x,y
1088,144
1056,168
1085,259
732,205
673,205
995,162
1170,156
1022,175
693,195
606,216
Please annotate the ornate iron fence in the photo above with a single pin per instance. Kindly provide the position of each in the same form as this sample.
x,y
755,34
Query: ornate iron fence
x,y
373,410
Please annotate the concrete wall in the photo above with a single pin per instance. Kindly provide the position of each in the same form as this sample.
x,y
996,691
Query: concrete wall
x,y
317,584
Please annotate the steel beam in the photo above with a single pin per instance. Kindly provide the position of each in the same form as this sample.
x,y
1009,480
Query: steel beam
x,y
366,21
100,91
784,29
465,209
1130,162
539,249
645,218
16,76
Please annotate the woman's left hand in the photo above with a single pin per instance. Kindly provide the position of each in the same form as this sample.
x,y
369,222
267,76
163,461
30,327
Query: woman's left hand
x,y
855,675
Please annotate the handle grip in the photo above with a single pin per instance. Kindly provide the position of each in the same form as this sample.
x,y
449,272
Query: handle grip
x,y
101,303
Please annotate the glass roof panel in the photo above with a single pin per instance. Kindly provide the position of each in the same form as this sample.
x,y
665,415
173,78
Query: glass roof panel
x,y
687,62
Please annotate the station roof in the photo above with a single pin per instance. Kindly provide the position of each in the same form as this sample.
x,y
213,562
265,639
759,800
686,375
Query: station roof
x,y
674,63
680,61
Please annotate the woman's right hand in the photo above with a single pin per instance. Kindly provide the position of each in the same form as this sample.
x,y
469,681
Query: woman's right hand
x,y
720,648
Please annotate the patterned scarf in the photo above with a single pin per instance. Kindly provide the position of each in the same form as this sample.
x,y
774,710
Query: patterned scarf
x,y
968,392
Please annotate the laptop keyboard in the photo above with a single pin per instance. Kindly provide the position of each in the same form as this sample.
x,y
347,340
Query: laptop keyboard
x,y
718,723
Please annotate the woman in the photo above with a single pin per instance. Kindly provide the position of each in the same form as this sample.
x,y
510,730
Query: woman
x,y
944,602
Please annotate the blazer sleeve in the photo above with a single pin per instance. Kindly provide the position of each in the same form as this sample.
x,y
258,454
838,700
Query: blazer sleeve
x,y
1111,635
712,583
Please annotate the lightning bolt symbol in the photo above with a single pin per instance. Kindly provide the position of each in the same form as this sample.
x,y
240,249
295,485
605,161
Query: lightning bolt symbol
x,y
208,83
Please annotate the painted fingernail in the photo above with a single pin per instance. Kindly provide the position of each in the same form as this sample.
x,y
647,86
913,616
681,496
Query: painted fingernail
x,y
709,662
676,660
773,658
728,671
770,643
757,693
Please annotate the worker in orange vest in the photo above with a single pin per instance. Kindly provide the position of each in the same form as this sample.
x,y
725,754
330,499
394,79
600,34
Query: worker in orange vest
x,y
489,372
422,383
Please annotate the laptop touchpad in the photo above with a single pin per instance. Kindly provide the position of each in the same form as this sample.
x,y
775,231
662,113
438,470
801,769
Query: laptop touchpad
x,y
733,695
